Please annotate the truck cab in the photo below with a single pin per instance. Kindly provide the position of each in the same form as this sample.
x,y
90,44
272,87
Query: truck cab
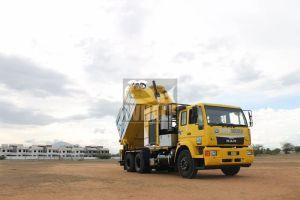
x,y
216,136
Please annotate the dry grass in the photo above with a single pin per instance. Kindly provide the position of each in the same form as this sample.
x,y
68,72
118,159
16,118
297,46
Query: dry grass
x,y
270,177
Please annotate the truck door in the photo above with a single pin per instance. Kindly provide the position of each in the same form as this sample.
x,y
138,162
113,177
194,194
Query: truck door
x,y
182,128
191,122
195,121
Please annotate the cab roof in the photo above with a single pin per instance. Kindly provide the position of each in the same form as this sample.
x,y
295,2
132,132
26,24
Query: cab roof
x,y
217,105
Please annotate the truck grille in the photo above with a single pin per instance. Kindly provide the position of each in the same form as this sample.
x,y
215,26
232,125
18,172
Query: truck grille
x,y
233,153
231,160
227,140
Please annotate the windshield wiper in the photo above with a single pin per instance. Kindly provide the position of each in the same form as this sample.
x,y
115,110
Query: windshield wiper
x,y
218,124
226,124
229,124
234,125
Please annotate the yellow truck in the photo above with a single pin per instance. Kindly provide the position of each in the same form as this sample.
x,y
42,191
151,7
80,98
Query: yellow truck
x,y
157,133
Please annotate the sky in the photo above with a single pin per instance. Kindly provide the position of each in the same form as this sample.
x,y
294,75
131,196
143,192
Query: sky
x,y
62,63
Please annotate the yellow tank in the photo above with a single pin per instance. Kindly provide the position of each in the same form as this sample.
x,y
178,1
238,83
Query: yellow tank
x,y
130,120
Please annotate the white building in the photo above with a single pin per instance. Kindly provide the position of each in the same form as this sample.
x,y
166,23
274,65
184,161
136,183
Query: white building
x,y
93,151
18,151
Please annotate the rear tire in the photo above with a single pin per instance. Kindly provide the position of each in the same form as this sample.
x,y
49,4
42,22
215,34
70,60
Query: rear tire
x,y
129,162
230,170
145,157
138,163
186,165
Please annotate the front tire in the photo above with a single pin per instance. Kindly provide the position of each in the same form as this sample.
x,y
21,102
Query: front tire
x,y
186,165
230,170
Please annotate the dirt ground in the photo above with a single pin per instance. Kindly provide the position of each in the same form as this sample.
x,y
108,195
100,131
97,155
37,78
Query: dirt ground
x,y
272,177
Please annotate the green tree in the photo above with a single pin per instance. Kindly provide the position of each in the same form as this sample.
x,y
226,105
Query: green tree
x,y
287,147
103,156
258,149
268,151
297,149
275,151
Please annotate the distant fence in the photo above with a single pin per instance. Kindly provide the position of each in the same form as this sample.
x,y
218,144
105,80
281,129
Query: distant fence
x,y
48,158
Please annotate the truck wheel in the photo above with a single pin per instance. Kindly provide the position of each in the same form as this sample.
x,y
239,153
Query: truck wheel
x,y
129,162
230,170
145,161
186,165
138,162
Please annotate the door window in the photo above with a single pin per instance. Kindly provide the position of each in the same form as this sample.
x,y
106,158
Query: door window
x,y
183,118
193,115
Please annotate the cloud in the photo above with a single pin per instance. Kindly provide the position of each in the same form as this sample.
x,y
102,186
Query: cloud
x,y
99,131
245,71
141,39
275,126
10,114
22,75
103,107
98,109
184,56
191,92
131,16
216,44
112,62
291,79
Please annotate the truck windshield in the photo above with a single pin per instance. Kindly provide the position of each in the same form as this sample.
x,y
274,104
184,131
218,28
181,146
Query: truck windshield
x,y
225,116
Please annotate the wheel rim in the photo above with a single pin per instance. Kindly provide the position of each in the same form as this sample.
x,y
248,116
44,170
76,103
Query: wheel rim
x,y
184,164
138,163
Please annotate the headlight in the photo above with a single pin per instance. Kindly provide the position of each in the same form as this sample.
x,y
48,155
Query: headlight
x,y
249,152
199,140
213,153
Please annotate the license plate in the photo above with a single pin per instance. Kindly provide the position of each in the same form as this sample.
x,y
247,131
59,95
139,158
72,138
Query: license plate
x,y
233,153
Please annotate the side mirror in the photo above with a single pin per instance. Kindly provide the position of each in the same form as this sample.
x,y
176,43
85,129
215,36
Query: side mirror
x,y
200,126
250,118
200,119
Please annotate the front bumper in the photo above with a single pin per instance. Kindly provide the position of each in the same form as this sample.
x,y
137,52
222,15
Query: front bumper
x,y
228,156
